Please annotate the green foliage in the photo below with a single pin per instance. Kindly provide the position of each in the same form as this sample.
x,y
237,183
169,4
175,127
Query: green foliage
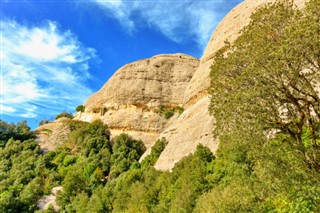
x,y
21,170
268,78
168,112
19,131
64,115
156,150
263,89
267,122
125,151
148,190
43,122
80,108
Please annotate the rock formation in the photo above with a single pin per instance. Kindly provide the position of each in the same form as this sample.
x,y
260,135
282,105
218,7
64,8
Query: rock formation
x,y
52,135
129,100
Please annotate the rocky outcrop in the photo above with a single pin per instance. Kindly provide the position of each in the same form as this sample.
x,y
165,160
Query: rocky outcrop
x,y
52,135
49,200
129,100
193,127
160,80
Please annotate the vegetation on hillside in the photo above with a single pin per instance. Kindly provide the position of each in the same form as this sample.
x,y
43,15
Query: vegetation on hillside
x,y
64,115
266,105
168,112
21,168
80,108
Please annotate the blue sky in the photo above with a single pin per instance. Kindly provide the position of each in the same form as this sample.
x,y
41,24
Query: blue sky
x,y
54,54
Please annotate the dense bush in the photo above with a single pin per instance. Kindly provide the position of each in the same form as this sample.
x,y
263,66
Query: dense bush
x,y
80,108
156,150
43,122
125,151
64,115
168,112
21,169
263,91
20,131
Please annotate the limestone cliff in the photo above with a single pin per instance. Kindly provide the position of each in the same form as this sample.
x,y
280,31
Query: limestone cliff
x,y
52,135
128,101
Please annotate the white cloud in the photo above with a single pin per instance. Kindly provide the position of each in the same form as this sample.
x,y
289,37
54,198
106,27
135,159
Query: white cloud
x,y
44,70
120,11
177,20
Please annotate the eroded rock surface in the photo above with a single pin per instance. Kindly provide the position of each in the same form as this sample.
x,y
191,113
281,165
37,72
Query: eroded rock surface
x,y
193,127
52,135
160,80
128,101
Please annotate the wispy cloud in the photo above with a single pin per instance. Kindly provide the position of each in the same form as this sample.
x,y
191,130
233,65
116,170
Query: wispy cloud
x,y
44,70
177,20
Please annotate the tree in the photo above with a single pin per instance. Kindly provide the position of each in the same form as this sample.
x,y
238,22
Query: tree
x,y
80,108
267,80
20,131
125,150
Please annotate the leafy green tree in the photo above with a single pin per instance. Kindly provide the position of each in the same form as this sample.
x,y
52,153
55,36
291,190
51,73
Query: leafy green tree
x,y
20,131
125,151
267,80
80,108
265,101
22,169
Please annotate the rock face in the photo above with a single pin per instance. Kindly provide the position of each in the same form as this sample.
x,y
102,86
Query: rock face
x,y
46,200
196,117
127,102
193,127
52,135
160,80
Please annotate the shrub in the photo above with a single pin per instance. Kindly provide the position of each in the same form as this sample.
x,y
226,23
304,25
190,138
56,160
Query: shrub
x,y
44,122
64,115
80,108
96,109
168,112
126,151
179,109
